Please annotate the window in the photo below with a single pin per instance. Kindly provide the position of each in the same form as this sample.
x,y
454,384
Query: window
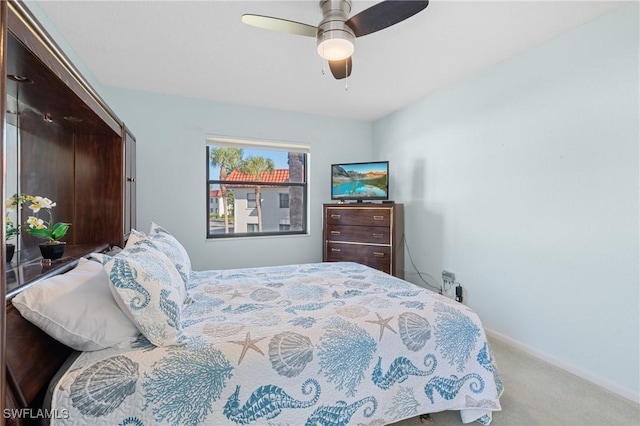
x,y
284,200
251,200
260,188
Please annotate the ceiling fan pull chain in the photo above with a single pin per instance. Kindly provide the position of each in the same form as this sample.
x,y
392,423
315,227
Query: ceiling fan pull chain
x,y
322,57
346,73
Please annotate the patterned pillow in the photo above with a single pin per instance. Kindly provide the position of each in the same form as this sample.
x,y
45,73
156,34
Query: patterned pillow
x,y
167,243
148,289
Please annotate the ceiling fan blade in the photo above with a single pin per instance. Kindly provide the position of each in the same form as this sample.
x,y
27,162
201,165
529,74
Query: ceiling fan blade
x,y
281,25
383,15
341,68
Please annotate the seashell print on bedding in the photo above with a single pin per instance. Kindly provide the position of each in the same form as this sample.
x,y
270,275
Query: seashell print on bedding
x,y
290,353
378,302
414,330
306,292
354,311
131,421
101,388
264,295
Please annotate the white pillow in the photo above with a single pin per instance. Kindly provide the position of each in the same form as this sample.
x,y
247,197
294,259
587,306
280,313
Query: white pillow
x,y
170,246
77,309
148,289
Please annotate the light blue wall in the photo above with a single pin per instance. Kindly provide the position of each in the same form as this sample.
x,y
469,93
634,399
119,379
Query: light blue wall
x,y
171,169
523,180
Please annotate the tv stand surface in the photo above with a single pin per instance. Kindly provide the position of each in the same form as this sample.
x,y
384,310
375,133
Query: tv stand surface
x,y
347,202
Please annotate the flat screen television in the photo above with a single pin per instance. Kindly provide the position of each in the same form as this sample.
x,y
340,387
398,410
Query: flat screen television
x,y
360,181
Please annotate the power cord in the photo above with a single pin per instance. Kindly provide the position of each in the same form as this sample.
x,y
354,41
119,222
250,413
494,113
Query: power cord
x,y
438,289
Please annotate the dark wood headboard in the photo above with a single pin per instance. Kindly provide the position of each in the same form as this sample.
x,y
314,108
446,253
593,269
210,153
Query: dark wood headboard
x,y
32,358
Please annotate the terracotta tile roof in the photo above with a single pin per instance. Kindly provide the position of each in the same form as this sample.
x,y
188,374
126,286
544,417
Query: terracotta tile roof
x,y
278,175
215,193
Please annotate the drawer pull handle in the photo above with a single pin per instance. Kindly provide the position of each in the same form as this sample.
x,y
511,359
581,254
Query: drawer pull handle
x,y
377,235
335,232
378,218
378,254
335,250
335,216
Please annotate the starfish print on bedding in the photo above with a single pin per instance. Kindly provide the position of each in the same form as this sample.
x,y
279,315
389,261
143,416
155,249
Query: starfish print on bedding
x,y
247,344
383,323
235,294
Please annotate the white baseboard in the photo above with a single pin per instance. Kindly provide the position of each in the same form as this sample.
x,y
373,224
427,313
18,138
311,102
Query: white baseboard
x,y
598,381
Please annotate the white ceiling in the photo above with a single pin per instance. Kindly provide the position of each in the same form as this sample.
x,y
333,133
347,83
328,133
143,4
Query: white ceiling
x,y
201,49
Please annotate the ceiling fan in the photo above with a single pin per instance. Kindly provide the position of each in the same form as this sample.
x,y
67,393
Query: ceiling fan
x,y
336,33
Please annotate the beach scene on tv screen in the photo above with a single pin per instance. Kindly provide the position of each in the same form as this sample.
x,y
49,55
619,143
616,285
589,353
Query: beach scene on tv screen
x,y
359,180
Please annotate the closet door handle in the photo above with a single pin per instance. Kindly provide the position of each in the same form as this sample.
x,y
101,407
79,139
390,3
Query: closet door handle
x,y
377,235
378,217
335,232
335,250
335,216
378,254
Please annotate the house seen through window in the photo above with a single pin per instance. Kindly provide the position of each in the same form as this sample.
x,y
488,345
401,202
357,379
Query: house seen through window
x,y
256,188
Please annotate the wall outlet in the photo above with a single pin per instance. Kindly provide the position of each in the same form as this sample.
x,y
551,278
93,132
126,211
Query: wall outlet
x,y
448,277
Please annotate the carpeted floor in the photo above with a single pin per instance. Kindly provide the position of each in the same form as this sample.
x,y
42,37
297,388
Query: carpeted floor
x,y
537,393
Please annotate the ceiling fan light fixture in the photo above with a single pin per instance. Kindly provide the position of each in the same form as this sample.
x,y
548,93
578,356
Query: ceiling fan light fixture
x,y
335,39
335,48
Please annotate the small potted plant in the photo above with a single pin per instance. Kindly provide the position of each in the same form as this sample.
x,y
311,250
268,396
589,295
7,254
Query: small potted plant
x,y
52,248
12,229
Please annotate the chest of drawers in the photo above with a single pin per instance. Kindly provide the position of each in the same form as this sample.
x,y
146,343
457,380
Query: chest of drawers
x,y
370,234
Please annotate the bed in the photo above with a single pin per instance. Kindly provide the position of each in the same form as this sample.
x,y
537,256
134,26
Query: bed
x,y
311,344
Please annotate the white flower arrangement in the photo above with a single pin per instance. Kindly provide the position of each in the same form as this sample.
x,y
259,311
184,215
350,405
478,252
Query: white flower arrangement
x,y
41,228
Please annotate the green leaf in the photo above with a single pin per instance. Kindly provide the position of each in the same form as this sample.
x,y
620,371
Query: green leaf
x,y
40,233
59,230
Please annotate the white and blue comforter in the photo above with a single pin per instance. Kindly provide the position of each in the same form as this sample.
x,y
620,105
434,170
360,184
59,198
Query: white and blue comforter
x,y
316,344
